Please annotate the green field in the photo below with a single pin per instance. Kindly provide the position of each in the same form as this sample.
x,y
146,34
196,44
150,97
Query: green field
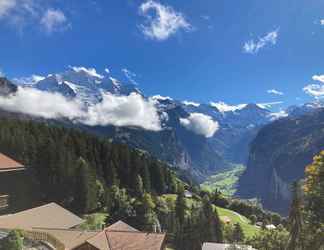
x,y
226,181
249,230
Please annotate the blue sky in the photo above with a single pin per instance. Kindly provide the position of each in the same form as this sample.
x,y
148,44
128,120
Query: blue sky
x,y
232,51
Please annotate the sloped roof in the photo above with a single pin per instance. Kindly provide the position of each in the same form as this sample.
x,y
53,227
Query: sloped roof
x,y
48,216
68,237
221,246
122,236
134,240
8,164
121,226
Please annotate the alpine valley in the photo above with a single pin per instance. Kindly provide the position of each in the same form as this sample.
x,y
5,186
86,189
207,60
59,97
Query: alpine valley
x,y
179,141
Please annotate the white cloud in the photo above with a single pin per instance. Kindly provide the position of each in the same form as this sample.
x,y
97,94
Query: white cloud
x,y
130,75
322,21
275,92
132,110
314,90
1,73
6,6
107,71
319,78
253,46
43,104
200,124
30,80
165,23
188,103
223,107
54,20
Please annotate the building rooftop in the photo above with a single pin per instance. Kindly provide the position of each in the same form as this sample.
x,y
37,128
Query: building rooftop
x,y
117,236
221,246
7,164
48,216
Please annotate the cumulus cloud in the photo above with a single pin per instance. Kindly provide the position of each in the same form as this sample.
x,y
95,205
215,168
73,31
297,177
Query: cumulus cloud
x,y
200,124
254,46
132,110
6,6
43,104
322,22
164,23
275,92
314,90
54,20
319,78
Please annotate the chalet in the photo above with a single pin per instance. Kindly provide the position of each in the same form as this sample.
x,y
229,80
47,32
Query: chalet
x,y
10,173
118,236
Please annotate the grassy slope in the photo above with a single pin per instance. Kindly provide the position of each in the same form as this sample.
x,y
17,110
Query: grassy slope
x,y
249,230
225,181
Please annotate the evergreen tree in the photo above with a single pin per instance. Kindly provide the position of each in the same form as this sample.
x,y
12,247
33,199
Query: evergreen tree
x,y
85,188
181,206
295,220
139,187
211,223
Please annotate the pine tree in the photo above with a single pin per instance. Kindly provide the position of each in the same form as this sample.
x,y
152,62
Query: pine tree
x,y
139,187
181,206
295,220
213,228
85,188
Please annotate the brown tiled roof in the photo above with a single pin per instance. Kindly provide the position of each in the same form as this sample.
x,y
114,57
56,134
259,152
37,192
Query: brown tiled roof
x,y
8,164
121,236
48,216
134,240
121,226
68,237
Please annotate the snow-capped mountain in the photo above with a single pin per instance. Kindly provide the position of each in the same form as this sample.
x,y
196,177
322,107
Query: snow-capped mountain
x,y
84,84
202,138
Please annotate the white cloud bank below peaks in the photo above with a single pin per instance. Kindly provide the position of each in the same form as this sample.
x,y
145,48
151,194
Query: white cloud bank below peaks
x,y
132,110
200,124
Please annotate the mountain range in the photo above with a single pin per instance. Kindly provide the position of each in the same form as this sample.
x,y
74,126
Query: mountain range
x,y
184,139
200,139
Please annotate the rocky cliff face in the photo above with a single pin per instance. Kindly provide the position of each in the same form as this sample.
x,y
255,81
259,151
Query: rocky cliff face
x,y
6,87
278,156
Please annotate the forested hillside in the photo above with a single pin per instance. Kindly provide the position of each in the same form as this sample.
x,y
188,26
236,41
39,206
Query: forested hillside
x,y
278,157
68,161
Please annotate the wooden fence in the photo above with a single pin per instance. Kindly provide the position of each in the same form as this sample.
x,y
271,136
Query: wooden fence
x,y
45,237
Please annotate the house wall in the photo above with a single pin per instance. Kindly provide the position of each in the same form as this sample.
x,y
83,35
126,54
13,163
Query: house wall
x,y
85,246
21,188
